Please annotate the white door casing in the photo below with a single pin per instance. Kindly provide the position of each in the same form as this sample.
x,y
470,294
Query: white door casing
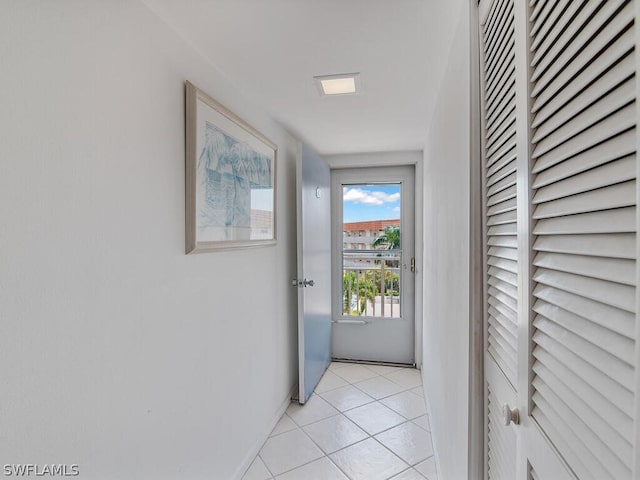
x,y
374,338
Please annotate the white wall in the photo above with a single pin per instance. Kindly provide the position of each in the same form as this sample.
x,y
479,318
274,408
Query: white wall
x,y
118,352
446,265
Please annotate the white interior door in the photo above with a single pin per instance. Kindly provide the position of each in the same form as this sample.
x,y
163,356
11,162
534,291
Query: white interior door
x,y
373,264
559,98
501,258
582,377
314,269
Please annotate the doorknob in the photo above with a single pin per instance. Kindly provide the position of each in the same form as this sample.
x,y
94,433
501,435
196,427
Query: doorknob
x,y
308,283
510,415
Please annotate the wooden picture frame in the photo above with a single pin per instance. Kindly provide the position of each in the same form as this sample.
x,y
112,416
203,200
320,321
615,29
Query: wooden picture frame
x,y
230,172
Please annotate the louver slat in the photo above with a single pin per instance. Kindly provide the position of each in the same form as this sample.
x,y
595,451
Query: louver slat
x,y
612,318
589,40
557,26
501,443
613,148
584,205
614,295
502,173
498,9
508,277
584,90
620,220
503,184
611,269
499,167
502,111
502,207
594,399
503,320
565,87
537,8
503,287
616,394
503,241
618,172
607,245
587,425
574,118
618,448
494,105
499,63
541,28
579,440
504,310
547,420
588,352
499,161
502,218
614,196
508,265
553,151
495,36
502,195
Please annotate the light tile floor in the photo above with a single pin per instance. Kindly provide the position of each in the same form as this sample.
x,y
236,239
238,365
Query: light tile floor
x,y
363,422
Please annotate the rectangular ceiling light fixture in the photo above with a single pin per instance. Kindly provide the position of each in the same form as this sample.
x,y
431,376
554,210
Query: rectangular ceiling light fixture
x,y
343,84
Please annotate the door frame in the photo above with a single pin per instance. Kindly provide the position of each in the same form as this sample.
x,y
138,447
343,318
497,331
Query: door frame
x,y
398,159
405,176
478,410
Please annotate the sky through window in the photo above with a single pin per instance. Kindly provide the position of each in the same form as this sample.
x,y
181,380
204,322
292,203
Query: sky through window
x,y
370,202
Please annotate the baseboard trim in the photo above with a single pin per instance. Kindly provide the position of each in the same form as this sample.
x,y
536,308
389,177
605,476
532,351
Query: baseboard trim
x,y
372,362
255,449
434,442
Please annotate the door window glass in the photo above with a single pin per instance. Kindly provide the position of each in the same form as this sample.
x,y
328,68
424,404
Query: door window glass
x,y
371,250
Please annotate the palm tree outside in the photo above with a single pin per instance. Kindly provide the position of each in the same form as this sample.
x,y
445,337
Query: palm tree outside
x,y
370,283
390,239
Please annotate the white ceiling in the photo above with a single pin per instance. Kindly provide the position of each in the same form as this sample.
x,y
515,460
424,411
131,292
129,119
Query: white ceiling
x,y
272,49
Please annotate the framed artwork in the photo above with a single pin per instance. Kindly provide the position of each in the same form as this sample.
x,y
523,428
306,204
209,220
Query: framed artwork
x,y
230,179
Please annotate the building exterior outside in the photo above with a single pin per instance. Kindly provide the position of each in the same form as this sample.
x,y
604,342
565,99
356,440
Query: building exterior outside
x,y
371,285
361,235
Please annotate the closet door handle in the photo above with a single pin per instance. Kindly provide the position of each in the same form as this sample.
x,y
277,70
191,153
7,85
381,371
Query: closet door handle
x,y
510,415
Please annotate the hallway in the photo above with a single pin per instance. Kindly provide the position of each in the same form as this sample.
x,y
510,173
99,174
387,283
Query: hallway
x,y
364,422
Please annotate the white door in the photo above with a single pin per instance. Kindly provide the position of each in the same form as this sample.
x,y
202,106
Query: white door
x,y
373,264
314,269
559,98
500,241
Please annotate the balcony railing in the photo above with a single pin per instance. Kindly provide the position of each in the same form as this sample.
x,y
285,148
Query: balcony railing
x,y
371,283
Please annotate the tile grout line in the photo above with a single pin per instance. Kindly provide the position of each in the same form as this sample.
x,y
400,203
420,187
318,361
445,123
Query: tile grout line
x,y
265,464
326,455
342,413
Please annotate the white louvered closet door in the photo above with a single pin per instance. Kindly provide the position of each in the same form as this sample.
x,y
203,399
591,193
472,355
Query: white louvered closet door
x,y
500,226
559,102
583,182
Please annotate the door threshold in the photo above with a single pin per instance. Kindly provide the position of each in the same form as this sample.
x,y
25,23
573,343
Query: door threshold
x,y
371,362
